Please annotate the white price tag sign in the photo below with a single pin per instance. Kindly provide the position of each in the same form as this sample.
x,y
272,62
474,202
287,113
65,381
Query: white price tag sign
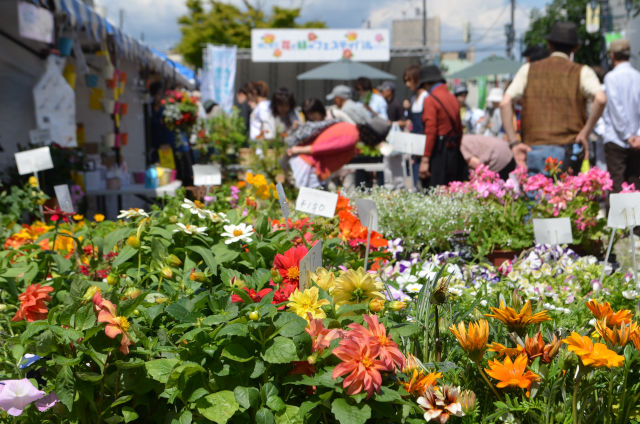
x,y
552,231
34,160
64,197
284,204
367,212
624,210
35,22
207,175
317,202
409,143
311,261
40,136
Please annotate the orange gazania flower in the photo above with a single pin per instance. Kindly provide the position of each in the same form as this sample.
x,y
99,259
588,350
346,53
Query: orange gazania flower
x,y
517,321
635,338
618,335
603,311
419,382
512,373
376,334
502,350
473,340
536,347
32,307
360,361
592,354
115,324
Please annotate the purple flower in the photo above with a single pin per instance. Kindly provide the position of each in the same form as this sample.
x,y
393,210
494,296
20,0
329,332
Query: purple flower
x,y
395,247
15,395
47,402
397,294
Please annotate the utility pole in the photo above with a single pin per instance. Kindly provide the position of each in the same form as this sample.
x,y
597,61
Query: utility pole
x,y
510,31
121,18
424,24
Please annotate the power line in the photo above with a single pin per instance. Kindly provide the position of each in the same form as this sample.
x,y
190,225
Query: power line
x,y
492,26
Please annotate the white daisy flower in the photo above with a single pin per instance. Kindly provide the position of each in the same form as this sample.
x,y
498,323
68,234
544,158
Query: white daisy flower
x,y
240,232
218,217
132,213
190,229
413,288
196,208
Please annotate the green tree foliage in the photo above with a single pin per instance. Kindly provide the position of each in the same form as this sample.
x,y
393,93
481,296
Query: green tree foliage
x,y
565,10
223,23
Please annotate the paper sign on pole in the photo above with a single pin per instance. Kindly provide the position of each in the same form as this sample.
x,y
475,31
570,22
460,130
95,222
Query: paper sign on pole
x,y
624,210
552,231
219,75
412,144
207,175
40,137
317,202
64,197
367,212
311,261
35,23
30,161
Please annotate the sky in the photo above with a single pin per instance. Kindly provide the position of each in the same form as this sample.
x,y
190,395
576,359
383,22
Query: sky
x,y
156,20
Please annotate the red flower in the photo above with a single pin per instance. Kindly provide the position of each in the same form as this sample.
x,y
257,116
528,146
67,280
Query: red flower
x,y
287,265
32,307
353,232
106,312
256,297
321,337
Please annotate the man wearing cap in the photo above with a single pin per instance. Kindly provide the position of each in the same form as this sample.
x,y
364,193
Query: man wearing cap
x,y
468,115
354,111
442,161
554,93
492,123
622,117
395,111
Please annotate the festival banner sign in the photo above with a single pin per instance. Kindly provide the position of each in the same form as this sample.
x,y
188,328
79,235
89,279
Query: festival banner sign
x,y
319,45
219,75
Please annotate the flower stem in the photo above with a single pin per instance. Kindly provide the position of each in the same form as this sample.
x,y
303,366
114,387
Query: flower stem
x,y
574,402
486,380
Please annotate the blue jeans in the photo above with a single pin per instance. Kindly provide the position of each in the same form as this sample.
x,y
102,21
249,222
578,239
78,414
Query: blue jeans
x,y
539,154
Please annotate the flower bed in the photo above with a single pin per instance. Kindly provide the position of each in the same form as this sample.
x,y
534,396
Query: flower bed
x,y
195,312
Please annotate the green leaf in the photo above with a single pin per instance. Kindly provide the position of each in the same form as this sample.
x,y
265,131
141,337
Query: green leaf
x,y
290,415
275,403
181,375
350,414
91,377
218,407
223,254
352,308
129,414
180,313
13,272
160,369
247,397
114,237
236,352
388,395
84,317
264,416
207,256
290,324
63,264
404,330
121,400
280,351
125,254
65,387
185,418
158,250
235,329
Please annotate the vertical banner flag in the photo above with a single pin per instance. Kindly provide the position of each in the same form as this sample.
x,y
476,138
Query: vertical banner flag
x,y
482,92
219,75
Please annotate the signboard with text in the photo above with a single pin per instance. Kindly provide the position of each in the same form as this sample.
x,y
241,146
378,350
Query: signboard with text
x,y
319,45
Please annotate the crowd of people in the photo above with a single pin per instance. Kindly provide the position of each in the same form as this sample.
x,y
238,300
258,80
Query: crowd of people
x,y
553,107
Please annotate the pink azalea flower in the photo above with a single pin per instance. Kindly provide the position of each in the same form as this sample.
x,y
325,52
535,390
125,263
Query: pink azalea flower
x,y
16,395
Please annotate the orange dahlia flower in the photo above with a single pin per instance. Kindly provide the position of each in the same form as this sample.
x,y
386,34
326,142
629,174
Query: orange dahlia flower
x,y
592,354
376,335
320,337
473,340
32,307
360,361
512,373
517,321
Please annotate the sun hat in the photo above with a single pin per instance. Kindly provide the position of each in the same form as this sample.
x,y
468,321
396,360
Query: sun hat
x,y
339,91
495,95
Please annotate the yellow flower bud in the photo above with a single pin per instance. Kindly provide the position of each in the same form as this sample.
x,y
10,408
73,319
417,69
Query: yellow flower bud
x,y
376,305
167,272
134,242
91,291
198,276
132,293
398,305
254,316
173,260
112,279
